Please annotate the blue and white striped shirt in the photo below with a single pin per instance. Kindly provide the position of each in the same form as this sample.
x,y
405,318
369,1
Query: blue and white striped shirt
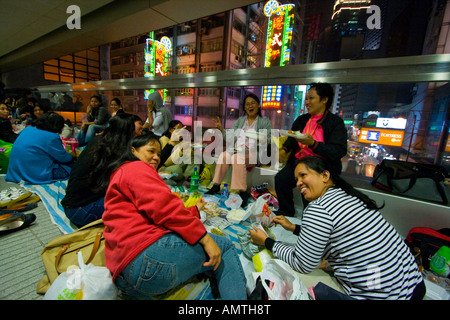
x,y
368,257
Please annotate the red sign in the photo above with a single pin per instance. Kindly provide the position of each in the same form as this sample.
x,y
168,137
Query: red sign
x,y
313,33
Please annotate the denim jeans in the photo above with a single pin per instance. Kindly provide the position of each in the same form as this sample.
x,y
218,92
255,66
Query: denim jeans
x,y
81,216
170,261
324,292
84,137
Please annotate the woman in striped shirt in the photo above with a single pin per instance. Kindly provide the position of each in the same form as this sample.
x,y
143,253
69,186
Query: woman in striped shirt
x,y
345,227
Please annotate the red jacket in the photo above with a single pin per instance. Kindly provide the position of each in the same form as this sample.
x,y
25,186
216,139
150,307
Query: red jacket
x,y
140,209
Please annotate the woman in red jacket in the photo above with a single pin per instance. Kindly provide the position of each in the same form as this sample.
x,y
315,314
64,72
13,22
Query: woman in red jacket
x,y
153,243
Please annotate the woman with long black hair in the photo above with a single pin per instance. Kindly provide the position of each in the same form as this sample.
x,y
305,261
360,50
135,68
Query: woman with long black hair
x,y
345,227
89,178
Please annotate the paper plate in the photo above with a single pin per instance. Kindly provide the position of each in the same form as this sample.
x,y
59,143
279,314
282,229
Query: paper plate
x,y
252,135
293,134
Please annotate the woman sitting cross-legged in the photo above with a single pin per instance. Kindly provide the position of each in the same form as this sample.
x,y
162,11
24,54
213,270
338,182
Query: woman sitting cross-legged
x,y
345,227
152,242
38,155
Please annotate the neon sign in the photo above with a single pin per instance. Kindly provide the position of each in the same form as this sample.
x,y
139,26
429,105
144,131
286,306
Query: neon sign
x,y
278,46
156,55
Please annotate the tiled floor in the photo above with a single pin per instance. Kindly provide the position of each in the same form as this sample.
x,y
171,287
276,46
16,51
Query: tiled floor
x,y
21,266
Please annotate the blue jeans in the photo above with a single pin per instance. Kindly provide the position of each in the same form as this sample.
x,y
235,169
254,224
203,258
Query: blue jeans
x,y
170,261
81,216
84,137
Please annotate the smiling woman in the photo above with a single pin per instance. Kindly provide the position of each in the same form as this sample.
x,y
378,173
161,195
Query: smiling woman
x,y
324,135
252,121
344,227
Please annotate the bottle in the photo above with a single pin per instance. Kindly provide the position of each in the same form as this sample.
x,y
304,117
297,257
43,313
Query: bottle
x,y
224,193
194,180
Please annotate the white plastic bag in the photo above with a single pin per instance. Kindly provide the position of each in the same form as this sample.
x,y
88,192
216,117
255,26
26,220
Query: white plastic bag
x,y
234,201
284,284
85,283
259,211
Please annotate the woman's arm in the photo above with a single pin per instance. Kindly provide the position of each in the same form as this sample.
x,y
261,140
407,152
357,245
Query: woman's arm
x,y
56,150
102,116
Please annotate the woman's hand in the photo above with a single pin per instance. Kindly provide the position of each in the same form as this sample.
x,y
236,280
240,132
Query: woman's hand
x,y
284,222
218,123
258,236
283,156
200,204
212,251
308,141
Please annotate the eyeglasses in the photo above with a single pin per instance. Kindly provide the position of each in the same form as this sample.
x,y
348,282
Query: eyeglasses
x,y
252,103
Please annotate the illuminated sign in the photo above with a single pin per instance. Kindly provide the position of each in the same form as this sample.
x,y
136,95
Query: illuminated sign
x,y
156,54
447,148
278,46
351,5
391,123
382,136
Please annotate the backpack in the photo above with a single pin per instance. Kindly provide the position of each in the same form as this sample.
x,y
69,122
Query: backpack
x,y
425,242
61,253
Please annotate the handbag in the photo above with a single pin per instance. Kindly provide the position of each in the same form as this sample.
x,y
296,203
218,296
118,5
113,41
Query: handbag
x,y
416,180
60,254
425,242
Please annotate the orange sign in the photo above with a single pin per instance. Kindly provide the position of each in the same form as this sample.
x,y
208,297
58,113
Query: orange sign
x,y
447,148
382,136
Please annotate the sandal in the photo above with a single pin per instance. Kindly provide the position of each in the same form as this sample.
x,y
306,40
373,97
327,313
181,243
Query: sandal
x,y
16,222
20,202
11,196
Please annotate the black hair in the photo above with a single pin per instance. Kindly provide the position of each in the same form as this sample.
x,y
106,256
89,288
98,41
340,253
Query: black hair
x,y
117,100
136,143
255,97
320,165
51,122
43,108
96,96
137,118
172,125
324,90
110,146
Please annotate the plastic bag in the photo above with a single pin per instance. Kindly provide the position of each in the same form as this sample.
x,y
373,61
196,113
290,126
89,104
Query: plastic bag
x,y
283,282
259,211
234,201
85,283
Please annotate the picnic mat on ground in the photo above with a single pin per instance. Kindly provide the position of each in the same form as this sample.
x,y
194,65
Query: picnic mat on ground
x,y
197,288
51,196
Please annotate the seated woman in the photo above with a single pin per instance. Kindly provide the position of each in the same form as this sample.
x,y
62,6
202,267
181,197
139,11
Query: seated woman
x,y
152,242
97,117
36,112
183,170
83,202
325,136
38,155
138,124
344,227
116,107
252,120
6,131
